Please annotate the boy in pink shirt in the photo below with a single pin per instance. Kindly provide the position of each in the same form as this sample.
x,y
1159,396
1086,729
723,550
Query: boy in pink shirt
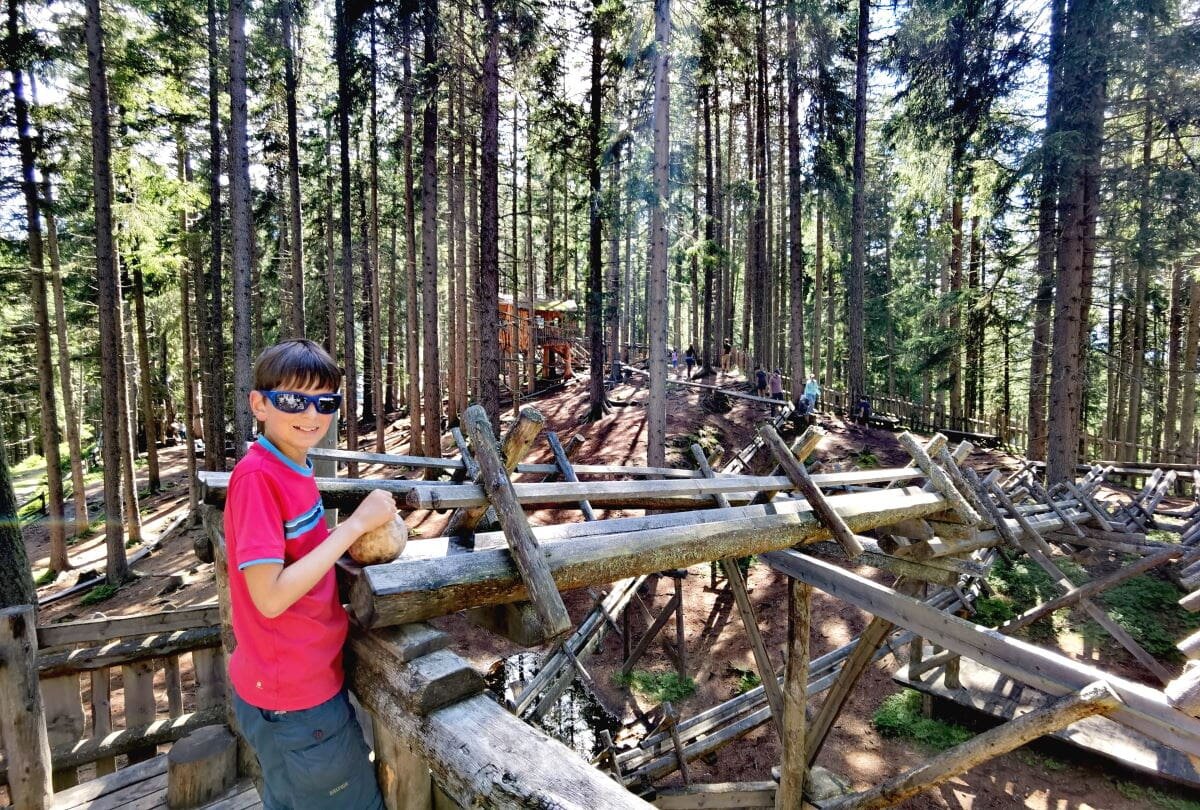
x,y
286,671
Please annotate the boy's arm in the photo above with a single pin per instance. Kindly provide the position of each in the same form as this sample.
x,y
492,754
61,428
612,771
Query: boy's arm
x,y
274,587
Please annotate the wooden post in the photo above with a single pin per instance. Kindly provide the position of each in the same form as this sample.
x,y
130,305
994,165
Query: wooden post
x,y
516,444
102,715
404,778
568,472
794,766
200,767
1096,698
527,555
816,499
64,721
1088,504
22,718
940,480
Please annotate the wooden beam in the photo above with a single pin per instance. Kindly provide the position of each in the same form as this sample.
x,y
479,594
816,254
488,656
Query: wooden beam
x,y
1143,708
568,473
94,631
803,482
938,477
1089,505
22,716
793,768
516,444
1095,698
526,553
414,590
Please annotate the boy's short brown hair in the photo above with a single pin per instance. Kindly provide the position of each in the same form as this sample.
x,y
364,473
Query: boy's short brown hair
x,y
298,363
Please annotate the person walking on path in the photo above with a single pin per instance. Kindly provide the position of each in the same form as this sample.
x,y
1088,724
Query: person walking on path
x,y
776,385
690,359
812,390
675,361
760,381
726,354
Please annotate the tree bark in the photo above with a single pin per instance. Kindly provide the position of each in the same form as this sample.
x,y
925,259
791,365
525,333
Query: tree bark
x,y
287,11
487,282
117,569
149,417
214,384
856,365
1142,261
1174,366
431,388
459,220
795,211
595,292
1085,69
241,227
376,346
343,57
1185,448
188,270
412,342
656,411
59,560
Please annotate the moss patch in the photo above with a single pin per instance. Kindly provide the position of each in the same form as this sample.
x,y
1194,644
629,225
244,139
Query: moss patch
x,y
659,686
900,716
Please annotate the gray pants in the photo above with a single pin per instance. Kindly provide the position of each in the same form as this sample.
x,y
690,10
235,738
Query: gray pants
x,y
311,758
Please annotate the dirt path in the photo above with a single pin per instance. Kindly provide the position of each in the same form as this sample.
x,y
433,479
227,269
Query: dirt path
x,y
716,642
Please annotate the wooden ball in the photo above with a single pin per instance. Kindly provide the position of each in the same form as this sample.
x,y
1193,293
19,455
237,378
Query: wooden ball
x,y
381,545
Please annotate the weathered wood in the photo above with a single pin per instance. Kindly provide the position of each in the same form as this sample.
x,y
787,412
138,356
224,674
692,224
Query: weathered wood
x,y
174,686
138,685
1184,692
718,795
568,474
92,794
126,652
795,735
1190,646
939,478
1191,601
816,499
1089,505
200,767
941,571
404,779
1143,708
64,721
936,442
469,470
92,632
102,714
413,590
1095,698
208,669
515,445
526,554
423,675
644,643
1044,498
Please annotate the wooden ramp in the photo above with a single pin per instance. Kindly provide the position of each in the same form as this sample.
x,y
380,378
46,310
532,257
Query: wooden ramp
x,y
992,693
144,787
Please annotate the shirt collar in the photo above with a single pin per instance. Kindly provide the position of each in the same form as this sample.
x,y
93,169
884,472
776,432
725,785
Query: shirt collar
x,y
266,444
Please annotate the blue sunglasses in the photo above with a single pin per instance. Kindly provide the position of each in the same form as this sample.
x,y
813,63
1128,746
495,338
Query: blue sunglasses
x,y
295,402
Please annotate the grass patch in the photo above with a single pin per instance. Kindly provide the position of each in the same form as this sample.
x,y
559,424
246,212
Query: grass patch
x,y
1040,761
900,716
747,679
46,577
1148,608
1022,584
866,459
708,437
658,686
1149,797
99,594
992,611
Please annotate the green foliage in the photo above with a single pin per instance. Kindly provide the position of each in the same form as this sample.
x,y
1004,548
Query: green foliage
x,y
866,459
1150,797
992,611
1148,608
900,716
99,594
747,679
659,686
46,577
1040,761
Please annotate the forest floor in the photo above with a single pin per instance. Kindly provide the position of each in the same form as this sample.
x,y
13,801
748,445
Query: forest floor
x,y
718,650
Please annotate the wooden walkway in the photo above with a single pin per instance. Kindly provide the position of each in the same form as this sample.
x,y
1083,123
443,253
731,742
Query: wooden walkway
x,y
144,787
991,693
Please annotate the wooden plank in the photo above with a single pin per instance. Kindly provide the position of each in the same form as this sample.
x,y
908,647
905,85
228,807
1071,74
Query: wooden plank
x,y
1144,709
644,643
174,686
91,632
795,737
64,721
102,715
404,779
816,499
81,795
22,718
568,474
138,687
720,795
117,653
515,445
526,553
1095,698
413,590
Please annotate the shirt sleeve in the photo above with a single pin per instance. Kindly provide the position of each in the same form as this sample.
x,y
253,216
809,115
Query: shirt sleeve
x,y
254,512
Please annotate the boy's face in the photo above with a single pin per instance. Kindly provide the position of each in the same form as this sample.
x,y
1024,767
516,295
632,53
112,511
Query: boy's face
x,y
293,433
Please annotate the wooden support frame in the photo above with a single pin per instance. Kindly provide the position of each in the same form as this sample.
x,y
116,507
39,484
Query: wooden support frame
x,y
938,477
1095,698
1142,708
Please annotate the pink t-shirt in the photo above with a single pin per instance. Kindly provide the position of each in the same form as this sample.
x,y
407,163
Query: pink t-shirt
x,y
273,514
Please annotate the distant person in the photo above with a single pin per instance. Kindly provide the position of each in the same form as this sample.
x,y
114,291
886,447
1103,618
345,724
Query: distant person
x,y
726,355
812,392
862,411
675,361
289,692
775,383
760,381
690,359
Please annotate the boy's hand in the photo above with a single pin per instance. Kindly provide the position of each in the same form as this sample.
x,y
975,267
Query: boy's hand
x,y
375,510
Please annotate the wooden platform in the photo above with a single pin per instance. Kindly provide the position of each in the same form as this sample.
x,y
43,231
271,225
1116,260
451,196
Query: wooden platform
x,y
991,693
144,787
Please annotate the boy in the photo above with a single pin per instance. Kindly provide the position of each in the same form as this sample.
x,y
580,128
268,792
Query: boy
x,y
286,672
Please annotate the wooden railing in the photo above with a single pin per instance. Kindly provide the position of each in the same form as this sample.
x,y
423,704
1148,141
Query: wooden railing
x,y
112,687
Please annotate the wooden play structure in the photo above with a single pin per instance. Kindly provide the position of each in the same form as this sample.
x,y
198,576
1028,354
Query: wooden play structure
x,y
547,326
931,530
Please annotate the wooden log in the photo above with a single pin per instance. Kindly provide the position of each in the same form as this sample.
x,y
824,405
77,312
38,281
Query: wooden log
x,y
469,470
718,795
794,763
936,442
949,463
1092,539
526,554
516,444
1184,692
208,670
422,674
644,643
1095,698
403,776
201,767
816,499
22,717
64,721
127,652
938,477
1044,498
138,685
413,590
91,632
1191,601
1143,708
940,572
102,715
1039,551
1089,505
568,474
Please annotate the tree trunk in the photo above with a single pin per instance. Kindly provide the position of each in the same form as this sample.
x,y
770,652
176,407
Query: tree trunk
x,y
818,285
795,211
656,411
431,388
1084,74
376,344
595,293
954,319
710,347
149,415
1185,449
241,227
16,586
412,342
856,366
1142,261
343,56
287,11
117,569
1047,200
487,282
59,560
459,223
71,413
760,277
187,271
530,288
1174,366
128,423
612,306
454,332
